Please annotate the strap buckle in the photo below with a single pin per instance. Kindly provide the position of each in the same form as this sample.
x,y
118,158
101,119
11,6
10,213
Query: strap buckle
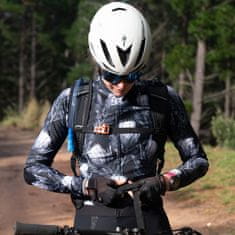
x,y
103,129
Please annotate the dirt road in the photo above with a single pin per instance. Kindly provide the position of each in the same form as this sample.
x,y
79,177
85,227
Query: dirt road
x,y
21,202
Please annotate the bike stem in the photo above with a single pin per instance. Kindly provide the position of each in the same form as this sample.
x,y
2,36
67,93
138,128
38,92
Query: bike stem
x,y
139,212
134,187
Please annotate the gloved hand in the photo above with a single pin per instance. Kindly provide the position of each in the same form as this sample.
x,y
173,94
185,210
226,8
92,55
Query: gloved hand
x,y
152,188
101,189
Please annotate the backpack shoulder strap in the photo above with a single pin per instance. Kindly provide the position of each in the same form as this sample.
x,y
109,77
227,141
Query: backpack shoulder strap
x,y
159,103
158,93
79,108
84,99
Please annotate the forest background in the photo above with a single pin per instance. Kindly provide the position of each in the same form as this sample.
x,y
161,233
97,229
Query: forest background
x,y
44,49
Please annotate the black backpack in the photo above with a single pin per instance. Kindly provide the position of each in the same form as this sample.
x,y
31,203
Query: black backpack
x,y
79,110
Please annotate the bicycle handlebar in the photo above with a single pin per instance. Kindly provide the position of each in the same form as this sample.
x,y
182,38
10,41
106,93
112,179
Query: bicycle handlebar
x,y
39,229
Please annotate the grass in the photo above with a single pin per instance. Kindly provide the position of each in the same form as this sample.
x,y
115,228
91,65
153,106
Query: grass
x,y
31,117
217,185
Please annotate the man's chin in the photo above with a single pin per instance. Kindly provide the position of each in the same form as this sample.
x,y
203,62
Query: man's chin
x,y
119,94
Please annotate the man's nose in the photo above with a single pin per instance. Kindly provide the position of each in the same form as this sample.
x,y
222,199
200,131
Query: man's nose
x,y
121,84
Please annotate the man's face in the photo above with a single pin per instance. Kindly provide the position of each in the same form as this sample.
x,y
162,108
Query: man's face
x,y
119,89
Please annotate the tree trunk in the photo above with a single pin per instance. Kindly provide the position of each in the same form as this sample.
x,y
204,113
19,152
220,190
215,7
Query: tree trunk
x,y
227,96
233,106
22,59
198,85
162,68
21,77
181,84
33,56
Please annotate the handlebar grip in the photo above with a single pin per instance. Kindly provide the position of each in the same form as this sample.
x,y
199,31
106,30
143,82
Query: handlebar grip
x,y
36,229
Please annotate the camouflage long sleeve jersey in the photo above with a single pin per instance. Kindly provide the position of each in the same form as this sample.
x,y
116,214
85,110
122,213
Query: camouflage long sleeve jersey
x,y
131,155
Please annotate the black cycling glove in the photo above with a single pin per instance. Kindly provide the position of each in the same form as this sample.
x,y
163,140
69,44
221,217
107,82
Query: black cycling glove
x,y
152,188
101,189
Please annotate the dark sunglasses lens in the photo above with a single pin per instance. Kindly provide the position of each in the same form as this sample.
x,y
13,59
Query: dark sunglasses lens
x,y
110,77
115,79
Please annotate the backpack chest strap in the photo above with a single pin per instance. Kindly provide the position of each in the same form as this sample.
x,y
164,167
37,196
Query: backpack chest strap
x,y
106,129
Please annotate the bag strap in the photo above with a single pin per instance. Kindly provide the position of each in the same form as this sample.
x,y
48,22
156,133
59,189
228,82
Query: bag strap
x,y
79,102
79,109
84,98
159,103
107,130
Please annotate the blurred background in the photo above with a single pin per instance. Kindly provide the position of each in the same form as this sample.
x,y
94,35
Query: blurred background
x,y
43,49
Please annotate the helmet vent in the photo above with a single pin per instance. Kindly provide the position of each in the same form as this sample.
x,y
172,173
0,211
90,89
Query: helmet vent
x,y
141,52
106,52
119,9
124,55
108,68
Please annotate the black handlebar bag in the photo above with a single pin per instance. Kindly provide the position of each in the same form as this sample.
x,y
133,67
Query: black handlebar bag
x,y
96,216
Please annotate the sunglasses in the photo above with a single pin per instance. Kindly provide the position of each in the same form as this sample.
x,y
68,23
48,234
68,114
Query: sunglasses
x,y
115,79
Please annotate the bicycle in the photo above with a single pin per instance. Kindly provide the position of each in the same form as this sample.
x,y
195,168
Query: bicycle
x,y
39,229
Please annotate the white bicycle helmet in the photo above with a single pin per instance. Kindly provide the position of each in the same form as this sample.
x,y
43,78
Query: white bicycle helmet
x,y
119,38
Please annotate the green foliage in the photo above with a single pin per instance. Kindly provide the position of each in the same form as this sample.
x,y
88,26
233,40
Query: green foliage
x,y
32,117
84,70
179,59
221,57
182,7
53,20
219,180
78,34
77,40
10,7
62,53
12,118
8,60
188,106
224,131
202,26
27,119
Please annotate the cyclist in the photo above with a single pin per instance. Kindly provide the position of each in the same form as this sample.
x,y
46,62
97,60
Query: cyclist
x,y
125,135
